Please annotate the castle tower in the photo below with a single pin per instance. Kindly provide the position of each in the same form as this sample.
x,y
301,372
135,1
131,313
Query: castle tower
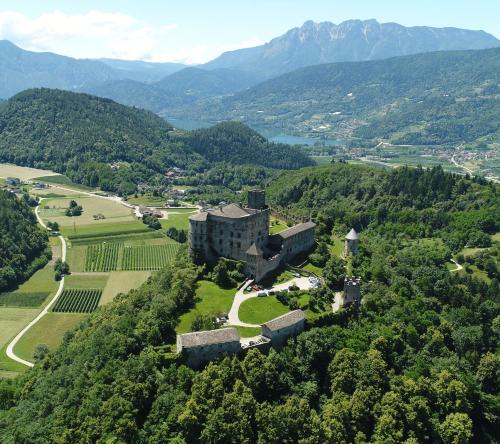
x,y
351,243
256,199
352,291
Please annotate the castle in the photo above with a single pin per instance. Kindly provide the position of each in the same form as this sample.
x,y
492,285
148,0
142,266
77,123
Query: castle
x,y
242,233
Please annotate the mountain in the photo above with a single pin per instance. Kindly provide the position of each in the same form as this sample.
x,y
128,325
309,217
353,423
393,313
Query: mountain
x,y
142,71
438,97
85,137
352,40
20,69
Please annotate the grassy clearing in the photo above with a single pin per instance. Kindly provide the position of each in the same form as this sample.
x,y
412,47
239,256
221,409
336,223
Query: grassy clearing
x,y
277,226
113,212
337,247
75,257
210,300
87,280
259,310
49,330
246,332
25,173
64,181
122,282
179,221
148,200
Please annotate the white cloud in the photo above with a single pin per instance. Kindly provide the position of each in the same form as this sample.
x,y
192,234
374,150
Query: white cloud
x,y
106,34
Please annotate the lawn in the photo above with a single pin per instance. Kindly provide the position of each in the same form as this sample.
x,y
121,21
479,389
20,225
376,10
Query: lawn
x,y
75,257
259,310
210,300
9,170
148,200
12,321
86,280
49,330
246,332
113,212
179,221
276,277
337,247
277,226
122,282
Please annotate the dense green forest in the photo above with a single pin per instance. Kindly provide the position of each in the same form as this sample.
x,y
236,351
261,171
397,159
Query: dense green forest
x,y
22,244
438,98
97,142
417,363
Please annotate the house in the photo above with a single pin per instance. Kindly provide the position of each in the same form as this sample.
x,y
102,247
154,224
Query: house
x,y
202,346
13,181
147,211
279,329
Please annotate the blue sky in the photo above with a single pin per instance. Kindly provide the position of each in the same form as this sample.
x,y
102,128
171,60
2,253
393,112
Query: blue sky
x,y
195,31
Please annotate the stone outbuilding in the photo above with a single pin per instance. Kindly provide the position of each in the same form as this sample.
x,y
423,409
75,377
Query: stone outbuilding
x,y
352,291
279,329
203,346
351,243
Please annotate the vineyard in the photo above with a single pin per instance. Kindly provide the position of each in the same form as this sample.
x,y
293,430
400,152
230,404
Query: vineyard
x,y
102,257
148,257
78,300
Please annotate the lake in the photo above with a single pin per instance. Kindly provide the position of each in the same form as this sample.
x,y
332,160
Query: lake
x,y
188,124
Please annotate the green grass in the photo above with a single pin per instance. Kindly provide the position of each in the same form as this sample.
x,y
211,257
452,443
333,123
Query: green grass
x,y
110,229
210,300
23,299
63,180
259,310
122,282
313,269
276,277
87,280
337,247
182,210
277,226
179,221
49,330
322,160
246,332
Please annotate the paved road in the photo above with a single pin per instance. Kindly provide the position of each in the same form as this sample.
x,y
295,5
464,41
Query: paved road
x,y
12,344
240,297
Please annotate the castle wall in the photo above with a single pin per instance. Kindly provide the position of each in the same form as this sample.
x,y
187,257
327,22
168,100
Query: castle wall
x,y
279,337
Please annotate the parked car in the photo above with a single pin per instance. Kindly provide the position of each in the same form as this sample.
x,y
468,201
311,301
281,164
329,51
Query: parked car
x,y
261,293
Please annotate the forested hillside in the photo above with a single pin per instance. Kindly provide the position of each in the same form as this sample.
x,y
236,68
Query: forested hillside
x,y
439,97
83,137
22,243
416,364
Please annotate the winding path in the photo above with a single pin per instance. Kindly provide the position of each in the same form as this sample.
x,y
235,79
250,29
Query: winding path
x,y
459,267
12,344
233,318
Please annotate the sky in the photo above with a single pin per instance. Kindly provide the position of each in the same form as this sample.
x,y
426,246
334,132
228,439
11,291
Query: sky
x,y
196,31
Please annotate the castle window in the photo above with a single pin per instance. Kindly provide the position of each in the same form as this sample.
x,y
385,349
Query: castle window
x,y
238,244
239,235
220,241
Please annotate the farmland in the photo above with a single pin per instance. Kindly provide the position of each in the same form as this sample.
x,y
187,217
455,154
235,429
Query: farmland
x,y
25,173
144,257
102,257
77,300
122,282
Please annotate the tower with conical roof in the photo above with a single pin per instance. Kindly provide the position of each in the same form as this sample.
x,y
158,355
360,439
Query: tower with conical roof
x,y
351,243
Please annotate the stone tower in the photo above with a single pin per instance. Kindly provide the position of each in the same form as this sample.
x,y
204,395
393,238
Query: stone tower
x,y
352,291
351,243
257,199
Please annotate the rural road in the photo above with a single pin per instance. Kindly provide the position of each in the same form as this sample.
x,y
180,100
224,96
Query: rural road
x,y
459,267
240,297
12,344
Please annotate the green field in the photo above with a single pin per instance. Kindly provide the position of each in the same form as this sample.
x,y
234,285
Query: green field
x,y
148,257
102,257
64,181
179,221
104,230
259,310
77,300
9,170
87,280
122,282
210,300
148,200
49,330
246,332
276,226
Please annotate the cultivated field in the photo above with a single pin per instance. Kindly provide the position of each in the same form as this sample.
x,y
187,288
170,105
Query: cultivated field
x,y
102,257
148,257
122,282
78,300
25,173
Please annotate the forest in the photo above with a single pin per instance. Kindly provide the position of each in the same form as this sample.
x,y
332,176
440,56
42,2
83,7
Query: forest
x,y
23,245
97,142
416,363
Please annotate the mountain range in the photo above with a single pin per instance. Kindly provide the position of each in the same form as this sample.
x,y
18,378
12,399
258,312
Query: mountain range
x,y
434,98
161,86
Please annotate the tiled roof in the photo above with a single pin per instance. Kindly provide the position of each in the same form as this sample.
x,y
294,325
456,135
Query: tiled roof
x,y
202,216
232,211
201,338
296,229
254,250
285,320
352,235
